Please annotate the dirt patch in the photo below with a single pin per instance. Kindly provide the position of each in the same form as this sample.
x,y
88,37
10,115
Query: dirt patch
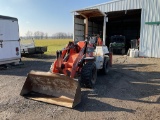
x,y
131,90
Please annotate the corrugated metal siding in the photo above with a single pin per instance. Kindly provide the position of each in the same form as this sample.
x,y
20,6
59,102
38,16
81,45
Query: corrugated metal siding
x,y
150,38
90,28
119,5
95,28
78,29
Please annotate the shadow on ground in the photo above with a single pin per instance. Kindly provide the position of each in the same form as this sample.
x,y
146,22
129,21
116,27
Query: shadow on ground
x,y
37,63
39,56
95,105
122,83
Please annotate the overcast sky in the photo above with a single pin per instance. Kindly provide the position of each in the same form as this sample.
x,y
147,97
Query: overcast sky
x,y
49,16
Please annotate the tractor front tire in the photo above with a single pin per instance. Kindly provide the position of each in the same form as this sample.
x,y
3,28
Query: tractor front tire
x,y
105,68
89,75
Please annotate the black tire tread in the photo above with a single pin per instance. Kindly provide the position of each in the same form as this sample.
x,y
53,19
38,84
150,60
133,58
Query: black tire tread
x,y
103,70
86,74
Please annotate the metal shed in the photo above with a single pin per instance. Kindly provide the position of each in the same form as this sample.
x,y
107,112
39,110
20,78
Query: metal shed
x,y
141,13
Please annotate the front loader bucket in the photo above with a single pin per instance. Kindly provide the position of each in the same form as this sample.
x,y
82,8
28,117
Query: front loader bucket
x,y
52,88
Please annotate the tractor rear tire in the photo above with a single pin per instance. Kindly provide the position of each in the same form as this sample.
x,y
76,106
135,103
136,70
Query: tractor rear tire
x,y
105,68
89,75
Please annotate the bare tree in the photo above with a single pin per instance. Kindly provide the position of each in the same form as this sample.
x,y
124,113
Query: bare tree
x,y
41,35
37,35
29,35
60,35
46,35
71,35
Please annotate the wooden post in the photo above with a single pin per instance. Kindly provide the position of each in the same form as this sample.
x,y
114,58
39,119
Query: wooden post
x,y
86,27
74,27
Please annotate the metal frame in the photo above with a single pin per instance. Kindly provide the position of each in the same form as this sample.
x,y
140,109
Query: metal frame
x,y
86,24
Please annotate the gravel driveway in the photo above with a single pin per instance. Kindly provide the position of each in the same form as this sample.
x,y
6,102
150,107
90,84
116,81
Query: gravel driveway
x,y
131,91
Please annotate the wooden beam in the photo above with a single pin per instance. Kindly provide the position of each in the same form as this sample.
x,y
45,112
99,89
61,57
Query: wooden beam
x,y
86,28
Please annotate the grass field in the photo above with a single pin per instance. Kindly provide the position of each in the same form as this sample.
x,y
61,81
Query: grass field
x,y
52,44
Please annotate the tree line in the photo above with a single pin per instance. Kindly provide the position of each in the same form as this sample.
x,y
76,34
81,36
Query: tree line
x,y
42,35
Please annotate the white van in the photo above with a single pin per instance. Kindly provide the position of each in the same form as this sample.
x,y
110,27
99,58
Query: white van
x,y
9,40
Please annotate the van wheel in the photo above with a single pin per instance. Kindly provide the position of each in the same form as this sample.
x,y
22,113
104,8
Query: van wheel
x,y
89,75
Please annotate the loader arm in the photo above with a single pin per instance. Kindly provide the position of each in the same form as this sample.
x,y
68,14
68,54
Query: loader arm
x,y
75,64
59,87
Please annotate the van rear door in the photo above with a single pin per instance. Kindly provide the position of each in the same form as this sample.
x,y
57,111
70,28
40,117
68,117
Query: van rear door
x,y
9,40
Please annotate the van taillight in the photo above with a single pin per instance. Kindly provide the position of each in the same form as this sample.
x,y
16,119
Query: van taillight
x,y
17,49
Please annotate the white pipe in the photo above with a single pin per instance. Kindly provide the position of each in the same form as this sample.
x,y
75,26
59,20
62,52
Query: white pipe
x,y
104,30
74,26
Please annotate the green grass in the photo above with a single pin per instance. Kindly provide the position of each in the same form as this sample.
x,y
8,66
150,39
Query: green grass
x,y
52,44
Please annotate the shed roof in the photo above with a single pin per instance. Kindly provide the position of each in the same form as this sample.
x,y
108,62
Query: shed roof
x,y
116,5
90,13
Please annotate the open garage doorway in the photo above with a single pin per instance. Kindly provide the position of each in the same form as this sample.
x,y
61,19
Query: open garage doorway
x,y
126,23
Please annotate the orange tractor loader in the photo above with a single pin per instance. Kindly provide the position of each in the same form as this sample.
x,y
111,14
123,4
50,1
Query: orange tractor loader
x,y
74,65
